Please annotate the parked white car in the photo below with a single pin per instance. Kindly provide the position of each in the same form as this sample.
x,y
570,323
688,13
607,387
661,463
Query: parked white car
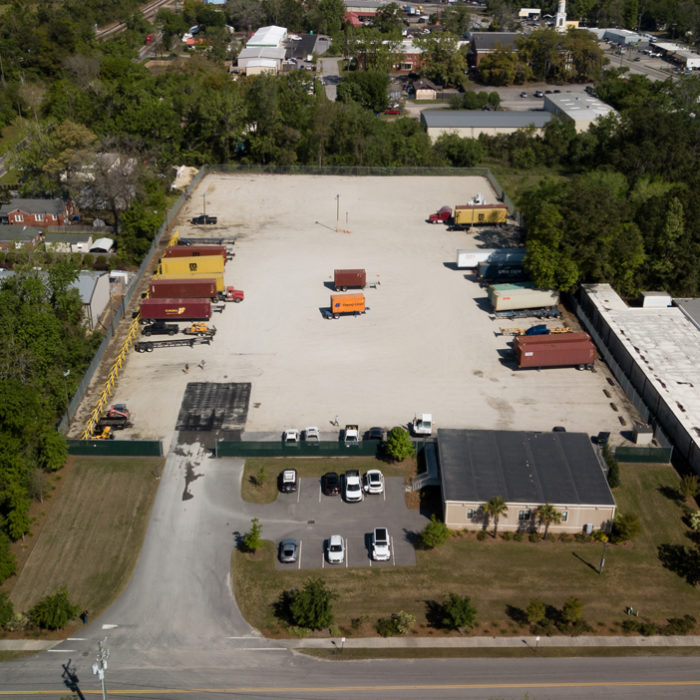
x,y
374,481
336,550
381,546
353,486
311,434
290,435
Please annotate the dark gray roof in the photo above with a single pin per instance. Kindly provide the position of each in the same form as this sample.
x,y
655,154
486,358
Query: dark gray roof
x,y
34,206
691,308
487,41
557,468
464,118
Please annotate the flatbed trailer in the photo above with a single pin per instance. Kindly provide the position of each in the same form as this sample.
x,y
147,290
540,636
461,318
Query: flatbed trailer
x,y
206,241
544,312
151,345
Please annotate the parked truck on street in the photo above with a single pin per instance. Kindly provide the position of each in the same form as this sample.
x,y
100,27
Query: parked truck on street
x,y
441,216
349,279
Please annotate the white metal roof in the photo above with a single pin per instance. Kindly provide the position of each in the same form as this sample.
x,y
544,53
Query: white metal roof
x,y
268,36
666,346
578,106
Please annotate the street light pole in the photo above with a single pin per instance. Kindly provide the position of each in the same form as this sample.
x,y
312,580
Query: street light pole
x,y
204,204
337,213
65,388
602,558
100,666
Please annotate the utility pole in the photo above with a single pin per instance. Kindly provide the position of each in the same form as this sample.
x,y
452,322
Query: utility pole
x,y
100,666
204,204
337,213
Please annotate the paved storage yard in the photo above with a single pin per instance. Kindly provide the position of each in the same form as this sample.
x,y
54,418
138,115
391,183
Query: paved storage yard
x,y
427,344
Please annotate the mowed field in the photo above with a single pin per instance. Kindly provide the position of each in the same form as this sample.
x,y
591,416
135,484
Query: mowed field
x,y
93,532
497,574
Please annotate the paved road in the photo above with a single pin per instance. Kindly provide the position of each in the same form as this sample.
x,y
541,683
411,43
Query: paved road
x,y
330,76
176,628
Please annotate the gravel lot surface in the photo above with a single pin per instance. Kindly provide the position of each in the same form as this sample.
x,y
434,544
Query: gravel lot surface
x,y
427,344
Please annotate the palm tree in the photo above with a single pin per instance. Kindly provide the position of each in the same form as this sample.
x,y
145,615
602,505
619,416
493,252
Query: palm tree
x,y
495,508
548,514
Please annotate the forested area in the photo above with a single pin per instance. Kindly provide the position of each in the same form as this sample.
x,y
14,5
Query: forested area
x,y
622,208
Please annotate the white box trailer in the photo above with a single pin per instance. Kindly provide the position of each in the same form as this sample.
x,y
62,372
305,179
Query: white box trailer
x,y
512,297
473,257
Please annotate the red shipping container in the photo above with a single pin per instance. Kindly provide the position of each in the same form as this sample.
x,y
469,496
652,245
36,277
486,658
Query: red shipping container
x,y
554,350
193,251
182,289
175,309
347,279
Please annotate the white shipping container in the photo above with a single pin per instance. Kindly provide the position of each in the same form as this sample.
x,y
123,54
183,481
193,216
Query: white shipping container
x,y
473,257
523,298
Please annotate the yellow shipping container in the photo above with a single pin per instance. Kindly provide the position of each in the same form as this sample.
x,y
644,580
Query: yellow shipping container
x,y
466,214
185,266
217,277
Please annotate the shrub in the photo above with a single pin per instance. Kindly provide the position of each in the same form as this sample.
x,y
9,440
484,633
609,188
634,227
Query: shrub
x,y
518,536
481,535
689,486
648,628
572,611
398,623
613,467
536,611
8,563
694,521
507,536
399,445
599,536
625,527
7,610
53,611
680,625
311,606
565,537
534,537
435,533
458,612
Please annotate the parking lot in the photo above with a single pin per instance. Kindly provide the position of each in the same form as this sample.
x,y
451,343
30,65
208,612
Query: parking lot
x,y
426,344
310,517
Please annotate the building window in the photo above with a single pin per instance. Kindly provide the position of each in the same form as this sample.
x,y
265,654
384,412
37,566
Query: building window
x,y
38,217
564,515
524,515
470,513
18,218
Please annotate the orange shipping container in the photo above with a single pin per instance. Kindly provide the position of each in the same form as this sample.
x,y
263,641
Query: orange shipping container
x,y
347,304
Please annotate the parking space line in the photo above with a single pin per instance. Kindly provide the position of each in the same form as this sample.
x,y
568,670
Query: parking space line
x,y
393,552
299,560
320,493
299,491
347,553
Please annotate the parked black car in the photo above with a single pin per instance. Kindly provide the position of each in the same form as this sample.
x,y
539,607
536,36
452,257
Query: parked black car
x,y
331,484
161,328
288,481
204,219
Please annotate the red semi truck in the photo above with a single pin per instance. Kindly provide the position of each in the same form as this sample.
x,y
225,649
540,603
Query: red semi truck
x,y
442,215
175,309
193,251
570,349
349,279
183,289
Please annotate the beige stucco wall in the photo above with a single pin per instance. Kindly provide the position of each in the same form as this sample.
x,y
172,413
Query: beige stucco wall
x,y
473,132
456,517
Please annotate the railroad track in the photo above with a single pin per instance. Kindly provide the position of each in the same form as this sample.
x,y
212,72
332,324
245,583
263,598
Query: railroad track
x,y
149,10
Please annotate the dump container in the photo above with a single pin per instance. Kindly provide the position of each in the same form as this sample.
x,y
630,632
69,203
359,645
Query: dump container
x,y
569,349
468,214
187,265
217,277
183,288
194,251
471,258
521,295
349,279
175,309
347,304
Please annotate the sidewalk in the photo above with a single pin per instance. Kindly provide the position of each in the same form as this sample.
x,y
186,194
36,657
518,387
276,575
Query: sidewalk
x,y
28,644
493,642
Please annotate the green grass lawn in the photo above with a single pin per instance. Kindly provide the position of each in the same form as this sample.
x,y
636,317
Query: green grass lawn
x,y
255,492
497,574
93,531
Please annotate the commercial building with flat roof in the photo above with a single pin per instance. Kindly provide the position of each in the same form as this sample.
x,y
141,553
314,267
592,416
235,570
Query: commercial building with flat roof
x,y
527,469
579,107
471,124
658,351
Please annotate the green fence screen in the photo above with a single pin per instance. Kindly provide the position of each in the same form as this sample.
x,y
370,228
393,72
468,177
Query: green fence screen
x,y
230,448
658,455
116,448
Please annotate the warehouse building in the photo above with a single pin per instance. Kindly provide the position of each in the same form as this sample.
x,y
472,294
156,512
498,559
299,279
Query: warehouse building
x,y
470,124
654,352
527,470
580,108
